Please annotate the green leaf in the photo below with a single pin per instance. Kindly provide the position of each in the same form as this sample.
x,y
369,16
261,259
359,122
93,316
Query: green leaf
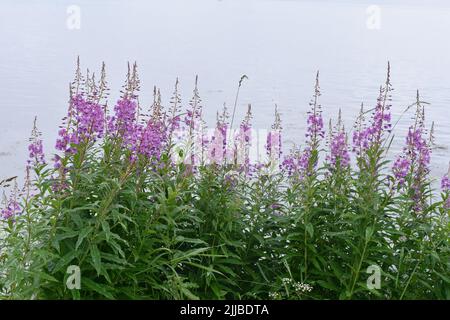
x,y
191,253
102,289
106,229
310,229
48,277
327,285
189,294
369,233
64,261
83,233
96,259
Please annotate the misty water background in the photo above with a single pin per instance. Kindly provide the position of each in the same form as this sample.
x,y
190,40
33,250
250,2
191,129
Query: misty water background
x,y
279,45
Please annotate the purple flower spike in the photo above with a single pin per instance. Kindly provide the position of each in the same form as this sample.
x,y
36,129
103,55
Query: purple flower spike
x,y
339,155
35,148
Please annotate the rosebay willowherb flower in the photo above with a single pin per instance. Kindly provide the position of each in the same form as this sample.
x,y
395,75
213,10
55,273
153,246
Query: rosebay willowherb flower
x,y
372,135
173,117
445,183
123,123
359,139
11,206
195,129
401,169
84,120
36,150
217,147
273,141
338,157
415,158
151,140
11,209
307,160
193,114
314,129
242,142
295,163
445,187
157,112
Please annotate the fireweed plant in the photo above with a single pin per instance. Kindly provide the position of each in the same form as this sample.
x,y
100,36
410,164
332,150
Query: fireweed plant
x,y
149,204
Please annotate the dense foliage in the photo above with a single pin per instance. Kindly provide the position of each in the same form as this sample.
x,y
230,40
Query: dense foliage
x,y
153,206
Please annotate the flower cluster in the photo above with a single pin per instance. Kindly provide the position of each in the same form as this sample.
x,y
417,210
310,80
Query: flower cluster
x,y
35,148
194,128
275,295
364,137
273,143
36,152
359,138
314,129
194,113
11,205
174,119
417,151
445,183
401,169
302,287
415,158
85,123
89,117
151,140
242,142
123,123
299,287
217,147
339,156
445,186
302,163
11,209
381,119
296,163
64,141
372,136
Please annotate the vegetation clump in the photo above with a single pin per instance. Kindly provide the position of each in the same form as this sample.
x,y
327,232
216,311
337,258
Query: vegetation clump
x,y
151,205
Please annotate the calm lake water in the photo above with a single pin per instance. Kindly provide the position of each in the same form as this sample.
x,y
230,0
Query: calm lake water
x,y
279,45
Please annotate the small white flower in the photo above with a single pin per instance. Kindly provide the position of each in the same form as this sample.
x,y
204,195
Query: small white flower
x,y
302,287
274,295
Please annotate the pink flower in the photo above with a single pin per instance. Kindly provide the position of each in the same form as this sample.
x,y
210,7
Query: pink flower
x,y
301,161
217,145
11,209
35,148
339,155
273,143
445,183
123,123
242,143
445,186
86,122
401,168
151,140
